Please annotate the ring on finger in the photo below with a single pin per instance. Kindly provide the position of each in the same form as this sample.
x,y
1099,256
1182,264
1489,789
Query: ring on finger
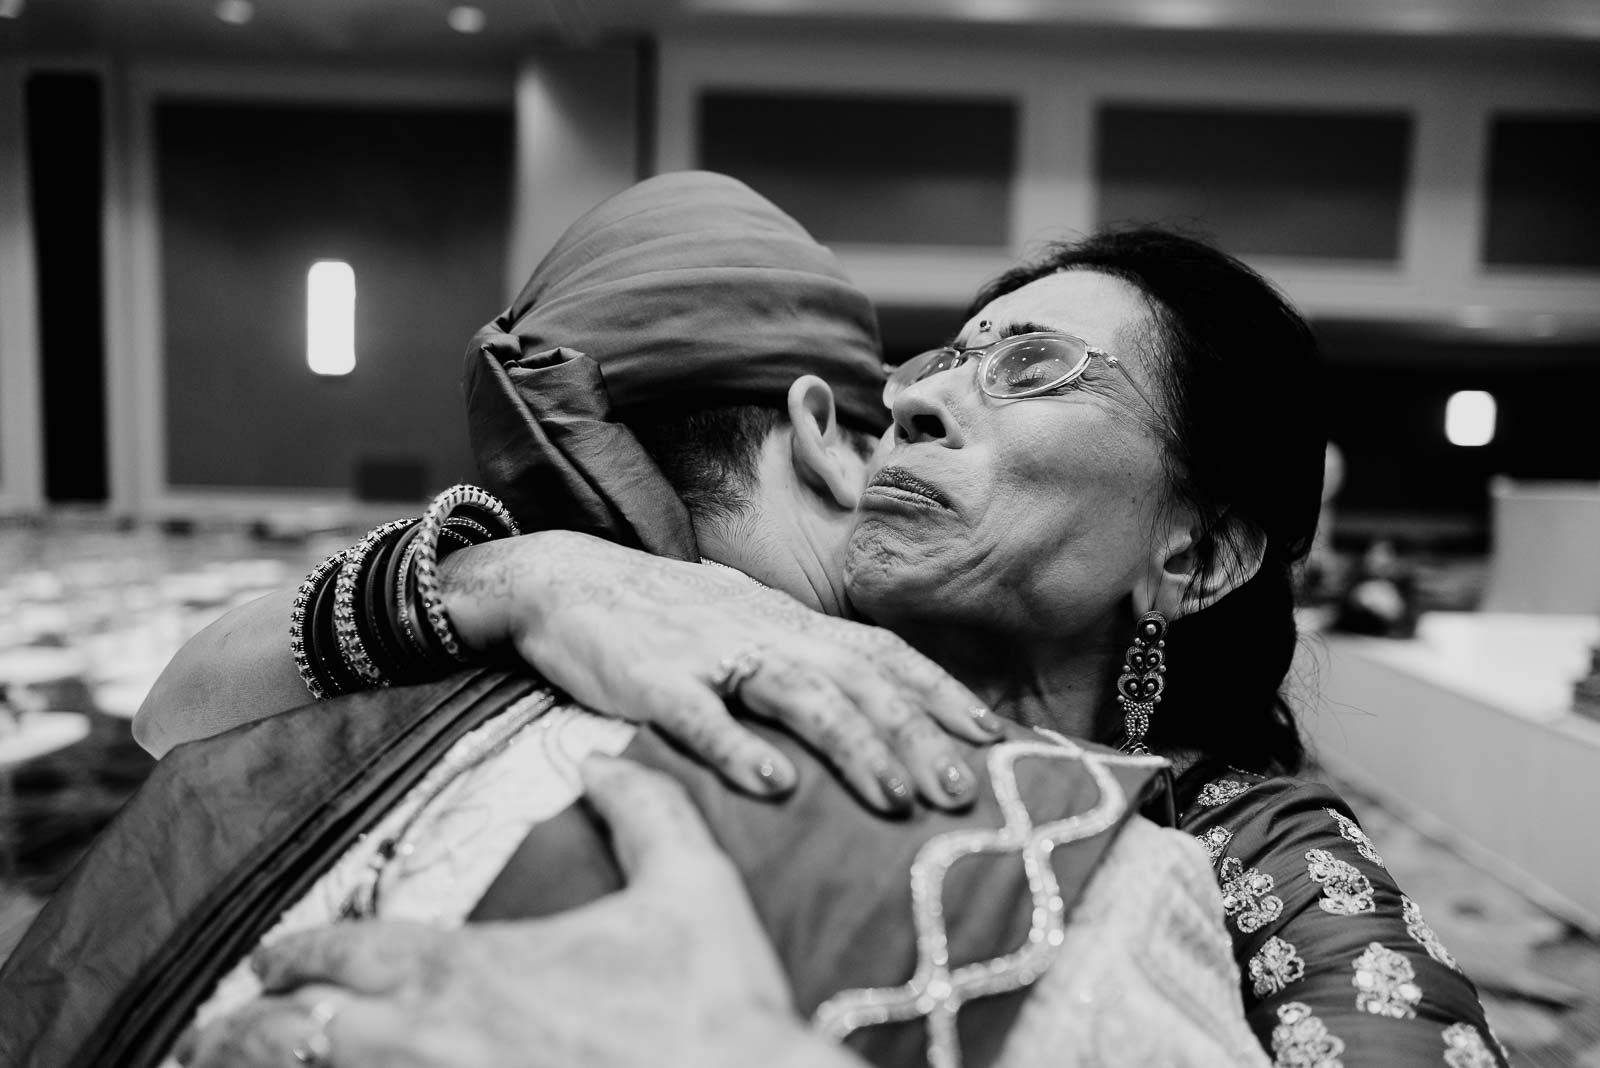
x,y
316,1049
734,671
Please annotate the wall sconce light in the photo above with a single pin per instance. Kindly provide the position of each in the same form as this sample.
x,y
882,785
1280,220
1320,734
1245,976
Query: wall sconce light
x,y
331,318
1469,418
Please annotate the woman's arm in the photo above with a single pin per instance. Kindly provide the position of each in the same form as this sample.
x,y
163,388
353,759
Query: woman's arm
x,y
1336,962
642,638
241,669
235,671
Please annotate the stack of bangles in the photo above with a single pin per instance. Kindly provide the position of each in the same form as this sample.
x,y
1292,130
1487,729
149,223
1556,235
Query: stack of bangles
x,y
371,616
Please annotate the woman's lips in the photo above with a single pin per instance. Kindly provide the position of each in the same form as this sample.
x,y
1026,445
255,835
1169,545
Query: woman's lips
x,y
898,483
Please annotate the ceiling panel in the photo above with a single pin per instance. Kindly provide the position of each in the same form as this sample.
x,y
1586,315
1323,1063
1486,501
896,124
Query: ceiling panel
x,y
1537,19
392,29
377,29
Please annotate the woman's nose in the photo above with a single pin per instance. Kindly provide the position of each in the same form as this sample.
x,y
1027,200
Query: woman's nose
x,y
924,411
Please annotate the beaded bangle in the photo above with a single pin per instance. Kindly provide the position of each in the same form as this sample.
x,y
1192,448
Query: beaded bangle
x,y
399,609
424,562
457,525
301,617
352,645
324,641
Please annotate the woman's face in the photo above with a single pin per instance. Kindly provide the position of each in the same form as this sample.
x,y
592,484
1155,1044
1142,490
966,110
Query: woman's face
x,y
1036,516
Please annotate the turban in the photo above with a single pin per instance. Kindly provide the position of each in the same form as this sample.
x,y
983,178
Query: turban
x,y
687,292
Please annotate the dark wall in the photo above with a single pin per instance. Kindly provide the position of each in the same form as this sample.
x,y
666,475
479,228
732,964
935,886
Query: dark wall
x,y
1388,387
870,169
1306,184
66,186
1543,172
417,200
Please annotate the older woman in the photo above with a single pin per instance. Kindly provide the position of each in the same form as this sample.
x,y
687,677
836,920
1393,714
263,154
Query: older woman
x,y
1089,516
1087,511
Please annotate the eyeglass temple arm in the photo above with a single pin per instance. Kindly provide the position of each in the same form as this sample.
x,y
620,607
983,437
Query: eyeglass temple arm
x,y
1114,362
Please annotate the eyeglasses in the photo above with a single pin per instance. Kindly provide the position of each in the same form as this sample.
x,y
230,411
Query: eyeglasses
x,y
1014,368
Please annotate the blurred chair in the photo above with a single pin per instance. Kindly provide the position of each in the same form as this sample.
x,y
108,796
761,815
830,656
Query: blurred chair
x,y
1546,547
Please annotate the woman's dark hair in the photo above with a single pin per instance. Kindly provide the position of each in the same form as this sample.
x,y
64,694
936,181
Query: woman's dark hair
x,y
1240,375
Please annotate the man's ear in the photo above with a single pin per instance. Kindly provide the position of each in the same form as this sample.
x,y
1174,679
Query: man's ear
x,y
1180,588
823,457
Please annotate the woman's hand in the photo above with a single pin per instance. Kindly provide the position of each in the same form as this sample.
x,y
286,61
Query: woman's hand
x,y
675,644
674,970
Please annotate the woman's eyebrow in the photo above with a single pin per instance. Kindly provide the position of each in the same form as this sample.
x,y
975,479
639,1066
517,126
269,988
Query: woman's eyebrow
x,y
1027,328
1010,331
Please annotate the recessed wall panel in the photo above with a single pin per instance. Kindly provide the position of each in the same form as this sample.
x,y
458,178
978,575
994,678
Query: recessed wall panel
x,y
1544,192
416,201
1302,184
64,116
871,169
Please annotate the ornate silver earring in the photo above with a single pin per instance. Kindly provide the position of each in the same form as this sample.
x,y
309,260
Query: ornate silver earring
x,y
1144,676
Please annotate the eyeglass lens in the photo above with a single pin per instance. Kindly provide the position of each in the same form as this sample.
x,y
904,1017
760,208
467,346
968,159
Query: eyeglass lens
x,y
1016,366
1019,365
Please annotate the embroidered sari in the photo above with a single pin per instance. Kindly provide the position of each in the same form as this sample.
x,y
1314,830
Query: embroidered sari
x,y
1338,966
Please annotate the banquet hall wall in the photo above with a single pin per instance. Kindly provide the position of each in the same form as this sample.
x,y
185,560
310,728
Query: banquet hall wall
x,y
1367,175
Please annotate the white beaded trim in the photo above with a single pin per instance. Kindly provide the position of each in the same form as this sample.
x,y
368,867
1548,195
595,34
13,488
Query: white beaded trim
x,y
936,991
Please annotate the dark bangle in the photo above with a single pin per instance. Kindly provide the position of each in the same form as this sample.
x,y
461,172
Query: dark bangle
x,y
384,645
324,654
307,658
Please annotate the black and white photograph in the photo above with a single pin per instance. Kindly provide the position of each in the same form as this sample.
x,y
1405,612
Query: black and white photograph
x,y
799,533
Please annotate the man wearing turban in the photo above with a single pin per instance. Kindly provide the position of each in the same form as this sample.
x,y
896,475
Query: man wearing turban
x,y
943,935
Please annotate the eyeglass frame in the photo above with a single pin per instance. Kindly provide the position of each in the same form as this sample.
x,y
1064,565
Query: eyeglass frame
x,y
987,354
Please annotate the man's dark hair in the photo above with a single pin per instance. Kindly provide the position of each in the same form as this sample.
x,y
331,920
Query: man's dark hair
x,y
711,456
1240,378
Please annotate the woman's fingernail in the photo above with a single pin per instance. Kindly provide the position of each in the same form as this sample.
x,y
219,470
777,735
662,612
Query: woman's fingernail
x,y
894,787
775,778
986,719
953,778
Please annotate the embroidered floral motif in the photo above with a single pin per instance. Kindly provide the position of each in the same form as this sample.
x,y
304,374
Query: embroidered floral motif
x,y
1302,1041
1247,896
1385,983
1419,930
1466,1048
1351,832
1275,966
1215,841
1345,891
1221,792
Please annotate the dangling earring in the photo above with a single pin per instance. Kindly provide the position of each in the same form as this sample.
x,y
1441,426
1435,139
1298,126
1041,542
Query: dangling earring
x,y
1143,677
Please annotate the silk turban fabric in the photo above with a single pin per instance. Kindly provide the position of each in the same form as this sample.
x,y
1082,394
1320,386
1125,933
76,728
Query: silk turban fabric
x,y
686,292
